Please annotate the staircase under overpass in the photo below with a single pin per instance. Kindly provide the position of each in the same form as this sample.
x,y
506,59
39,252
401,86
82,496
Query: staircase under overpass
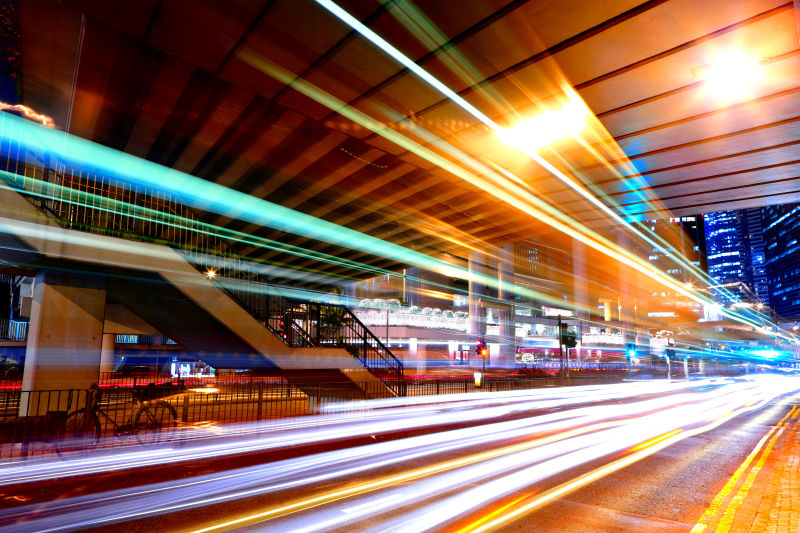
x,y
230,320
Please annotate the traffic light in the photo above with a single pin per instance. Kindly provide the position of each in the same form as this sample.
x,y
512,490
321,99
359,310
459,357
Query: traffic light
x,y
480,349
568,338
630,350
669,352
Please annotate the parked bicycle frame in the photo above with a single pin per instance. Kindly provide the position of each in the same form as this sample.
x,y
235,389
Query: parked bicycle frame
x,y
148,418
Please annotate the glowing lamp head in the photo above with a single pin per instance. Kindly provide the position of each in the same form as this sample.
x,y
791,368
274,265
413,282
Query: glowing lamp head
x,y
211,274
732,75
631,353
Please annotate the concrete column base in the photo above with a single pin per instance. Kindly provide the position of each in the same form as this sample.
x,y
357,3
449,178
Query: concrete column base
x,y
107,353
65,335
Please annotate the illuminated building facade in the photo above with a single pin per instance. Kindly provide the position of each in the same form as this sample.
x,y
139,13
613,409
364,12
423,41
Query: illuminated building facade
x,y
735,250
755,235
782,257
683,238
536,266
432,316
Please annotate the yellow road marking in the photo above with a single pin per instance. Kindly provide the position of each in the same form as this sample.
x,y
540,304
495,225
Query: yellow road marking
x,y
648,443
727,519
499,511
722,495
590,477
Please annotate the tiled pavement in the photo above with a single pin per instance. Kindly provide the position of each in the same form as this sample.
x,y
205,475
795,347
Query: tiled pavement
x,y
763,495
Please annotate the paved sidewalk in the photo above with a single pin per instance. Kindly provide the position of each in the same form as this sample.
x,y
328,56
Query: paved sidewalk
x,y
763,495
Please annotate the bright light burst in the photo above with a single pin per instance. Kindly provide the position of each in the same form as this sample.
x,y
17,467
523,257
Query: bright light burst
x,y
732,75
546,127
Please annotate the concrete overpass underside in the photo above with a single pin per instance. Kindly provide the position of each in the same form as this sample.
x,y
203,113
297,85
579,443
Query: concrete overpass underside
x,y
78,274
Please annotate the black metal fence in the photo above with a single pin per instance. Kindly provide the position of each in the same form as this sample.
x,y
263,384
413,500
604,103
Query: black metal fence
x,y
133,379
12,382
45,422
32,422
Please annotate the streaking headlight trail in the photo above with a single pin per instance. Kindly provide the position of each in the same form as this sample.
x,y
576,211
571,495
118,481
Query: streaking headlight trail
x,y
416,483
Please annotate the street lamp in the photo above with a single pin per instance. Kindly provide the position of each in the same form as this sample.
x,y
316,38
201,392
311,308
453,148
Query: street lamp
x,y
731,74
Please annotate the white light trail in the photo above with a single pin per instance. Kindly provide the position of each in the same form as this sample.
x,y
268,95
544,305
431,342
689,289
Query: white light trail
x,y
494,458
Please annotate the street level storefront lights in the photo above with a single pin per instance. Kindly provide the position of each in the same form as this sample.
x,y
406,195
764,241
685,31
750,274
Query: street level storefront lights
x,y
548,126
731,75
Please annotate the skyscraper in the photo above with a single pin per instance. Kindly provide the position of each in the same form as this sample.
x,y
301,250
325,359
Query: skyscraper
x,y
781,225
728,255
682,238
755,236
735,250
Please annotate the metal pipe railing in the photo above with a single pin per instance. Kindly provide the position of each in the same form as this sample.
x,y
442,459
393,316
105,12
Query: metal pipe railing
x,y
13,330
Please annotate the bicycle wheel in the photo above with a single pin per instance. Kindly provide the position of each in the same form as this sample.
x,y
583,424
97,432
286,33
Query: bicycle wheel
x,y
80,434
152,419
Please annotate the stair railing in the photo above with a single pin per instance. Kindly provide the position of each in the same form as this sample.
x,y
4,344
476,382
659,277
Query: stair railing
x,y
305,324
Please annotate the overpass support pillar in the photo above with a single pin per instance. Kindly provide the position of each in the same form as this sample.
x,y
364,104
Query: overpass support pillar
x,y
505,292
580,283
107,352
477,268
580,291
65,335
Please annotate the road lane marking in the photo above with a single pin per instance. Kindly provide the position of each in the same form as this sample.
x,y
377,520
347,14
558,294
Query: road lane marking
x,y
722,495
370,486
585,479
648,443
727,519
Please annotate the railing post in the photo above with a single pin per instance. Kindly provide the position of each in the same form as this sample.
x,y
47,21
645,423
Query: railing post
x,y
318,307
260,399
315,403
285,331
185,414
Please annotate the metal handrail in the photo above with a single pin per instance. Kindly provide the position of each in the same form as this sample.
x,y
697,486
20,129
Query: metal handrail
x,y
303,323
13,330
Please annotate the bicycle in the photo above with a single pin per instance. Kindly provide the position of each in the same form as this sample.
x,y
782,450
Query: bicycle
x,y
148,417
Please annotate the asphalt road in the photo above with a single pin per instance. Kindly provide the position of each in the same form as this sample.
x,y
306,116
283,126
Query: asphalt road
x,y
666,492
628,457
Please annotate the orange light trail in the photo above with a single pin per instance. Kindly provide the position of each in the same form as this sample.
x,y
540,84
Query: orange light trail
x,y
29,113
